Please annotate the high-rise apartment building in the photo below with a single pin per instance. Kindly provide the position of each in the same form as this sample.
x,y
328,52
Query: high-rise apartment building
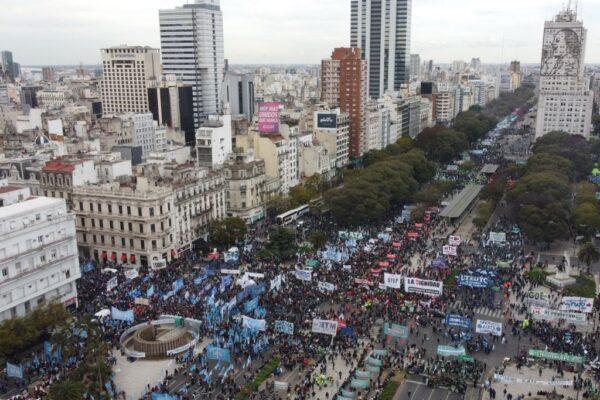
x,y
565,100
239,94
346,74
6,60
415,67
126,71
382,30
48,74
192,49
171,104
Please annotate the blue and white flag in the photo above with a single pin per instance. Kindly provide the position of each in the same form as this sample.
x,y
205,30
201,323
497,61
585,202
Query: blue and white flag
x,y
217,353
284,327
122,315
303,275
178,284
150,292
14,371
254,324
251,305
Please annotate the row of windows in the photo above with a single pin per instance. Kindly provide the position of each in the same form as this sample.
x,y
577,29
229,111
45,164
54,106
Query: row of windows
x,y
123,242
120,209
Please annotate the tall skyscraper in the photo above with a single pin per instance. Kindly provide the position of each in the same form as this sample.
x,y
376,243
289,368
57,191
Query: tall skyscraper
x,y
344,84
382,30
565,101
239,94
191,39
126,71
170,103
415,67
6,59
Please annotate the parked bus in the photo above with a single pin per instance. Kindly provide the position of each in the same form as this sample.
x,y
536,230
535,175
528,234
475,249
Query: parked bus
x,y
291,216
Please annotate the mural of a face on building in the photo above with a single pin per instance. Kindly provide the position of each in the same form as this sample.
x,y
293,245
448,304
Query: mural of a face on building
x,y
561,55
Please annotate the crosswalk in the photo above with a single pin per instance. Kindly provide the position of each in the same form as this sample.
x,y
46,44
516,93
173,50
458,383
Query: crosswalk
x,y
488,312
483,311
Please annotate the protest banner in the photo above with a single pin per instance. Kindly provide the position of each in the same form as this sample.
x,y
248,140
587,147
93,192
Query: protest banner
x,y
112,283
326,327
284,327
217,353
537,298
454,240
423,286
131,274
497,237
326,287
581,304
547,314
303,275
448,250
451,351
555,356
491,327
457,321
392,280
474,281
141,301
122,315
509,379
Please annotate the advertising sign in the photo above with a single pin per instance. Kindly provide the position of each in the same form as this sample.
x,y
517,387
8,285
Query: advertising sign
x,y
268,117
474,281
324,326
423,286
392,280
547,314
581,304
494,328
326,121
555,356
449,250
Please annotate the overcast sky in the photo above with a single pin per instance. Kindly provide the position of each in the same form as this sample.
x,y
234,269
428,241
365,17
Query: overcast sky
x,y
284,31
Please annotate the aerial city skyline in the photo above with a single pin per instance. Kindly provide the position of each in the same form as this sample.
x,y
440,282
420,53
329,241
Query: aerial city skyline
x,y
339,200
503,32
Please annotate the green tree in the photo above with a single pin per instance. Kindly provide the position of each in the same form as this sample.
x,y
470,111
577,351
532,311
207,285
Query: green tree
x,y
67,390
282,243
433,193
586,219
227,232
357,204
442,144
482,215
588,254
318,239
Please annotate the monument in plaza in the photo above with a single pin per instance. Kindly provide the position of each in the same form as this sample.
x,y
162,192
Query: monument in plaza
x,y
563,279
162,338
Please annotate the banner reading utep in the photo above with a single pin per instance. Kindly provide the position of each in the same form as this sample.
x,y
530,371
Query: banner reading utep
x,y
268,117
326,327
423,286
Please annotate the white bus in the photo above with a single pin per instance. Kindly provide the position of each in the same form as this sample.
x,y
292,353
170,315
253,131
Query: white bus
x,y
290,216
